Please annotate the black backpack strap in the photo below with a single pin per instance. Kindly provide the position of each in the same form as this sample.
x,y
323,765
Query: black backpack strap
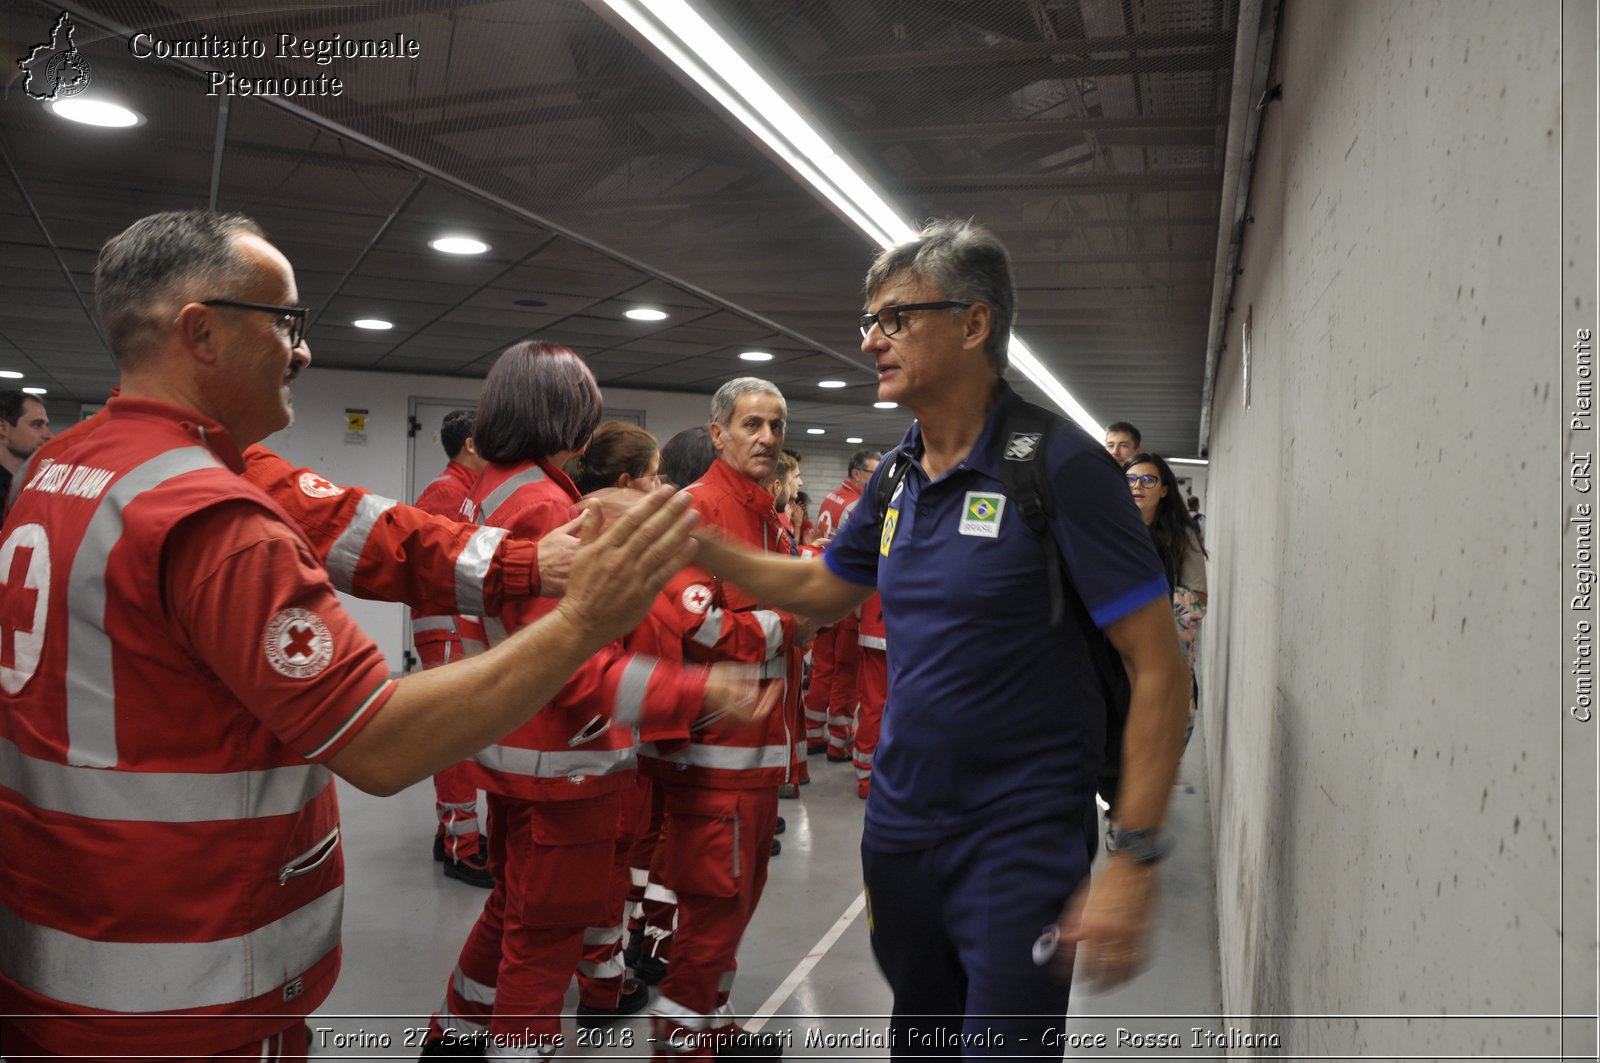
x,y
1026,434
899,463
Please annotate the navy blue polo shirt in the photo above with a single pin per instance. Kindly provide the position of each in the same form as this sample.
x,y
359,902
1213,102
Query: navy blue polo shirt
x,y
993,716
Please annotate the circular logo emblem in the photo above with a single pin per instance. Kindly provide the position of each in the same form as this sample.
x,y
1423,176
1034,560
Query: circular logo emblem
x,y
317,487
298,643
67,74
697,598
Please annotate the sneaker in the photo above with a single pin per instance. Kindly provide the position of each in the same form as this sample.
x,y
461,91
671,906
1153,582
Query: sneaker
x,y
473,870
736,1043
635,995
649,969
777,847
781,827
788,791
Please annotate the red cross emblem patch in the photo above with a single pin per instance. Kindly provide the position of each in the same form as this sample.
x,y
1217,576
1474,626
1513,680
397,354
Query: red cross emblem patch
x,y
318,487
697,598
298,644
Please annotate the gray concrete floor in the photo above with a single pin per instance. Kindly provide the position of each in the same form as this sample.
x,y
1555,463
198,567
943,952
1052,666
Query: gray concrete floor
x,y
805,965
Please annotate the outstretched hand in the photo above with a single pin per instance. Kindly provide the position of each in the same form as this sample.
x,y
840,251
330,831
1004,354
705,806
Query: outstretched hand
x,y
617,573
1105,925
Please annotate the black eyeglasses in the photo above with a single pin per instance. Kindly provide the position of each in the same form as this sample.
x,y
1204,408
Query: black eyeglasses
x,y
888,318
293,316
1148,479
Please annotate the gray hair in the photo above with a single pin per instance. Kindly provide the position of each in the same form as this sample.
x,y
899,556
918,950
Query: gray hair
x,y
147,272
966,262
728,395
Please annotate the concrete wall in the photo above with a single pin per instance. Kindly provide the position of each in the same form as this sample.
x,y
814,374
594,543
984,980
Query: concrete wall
x,y
1381,699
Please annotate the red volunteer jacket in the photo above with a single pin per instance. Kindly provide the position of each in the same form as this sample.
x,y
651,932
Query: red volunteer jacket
x,y
445,496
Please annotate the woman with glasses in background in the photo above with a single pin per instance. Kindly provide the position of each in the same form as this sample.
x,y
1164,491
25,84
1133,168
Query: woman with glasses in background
x,y
1181,549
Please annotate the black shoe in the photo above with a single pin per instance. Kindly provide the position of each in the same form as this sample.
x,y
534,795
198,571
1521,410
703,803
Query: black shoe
x,y
742,1044
782,826
438,848
777,847
813,748
474,870
649,969
635,995
463,1047
838,760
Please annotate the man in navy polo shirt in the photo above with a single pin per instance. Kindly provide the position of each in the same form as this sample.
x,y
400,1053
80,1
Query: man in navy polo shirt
x,y
980,826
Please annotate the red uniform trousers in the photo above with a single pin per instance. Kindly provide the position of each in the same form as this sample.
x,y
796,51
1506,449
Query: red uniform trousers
x,y
547,857
655,907
794,710
601,971
455,798
289,1045
874,692
715,845
832,698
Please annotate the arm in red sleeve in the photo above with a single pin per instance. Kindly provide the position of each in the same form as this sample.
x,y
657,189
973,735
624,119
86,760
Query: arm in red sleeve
x,y
376,548
692,606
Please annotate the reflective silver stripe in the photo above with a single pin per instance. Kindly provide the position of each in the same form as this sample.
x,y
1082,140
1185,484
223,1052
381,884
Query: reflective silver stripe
x,y
497,498
494,629
449,1022
629,705
472,565
639,876
91,691
817,718
840,721
776,668
710,629
682,1014
544,764
159,797
602,935
352,542
732,758
772,626
350,721
472,647
459,828
468,990
137,976
610,968
873,642
419,624
654,891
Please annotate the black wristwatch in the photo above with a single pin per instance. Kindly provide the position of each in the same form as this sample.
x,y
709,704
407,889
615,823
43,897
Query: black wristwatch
x,y
1144,845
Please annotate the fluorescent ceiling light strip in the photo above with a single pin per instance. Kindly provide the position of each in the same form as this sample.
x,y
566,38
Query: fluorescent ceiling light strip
x,y
702,53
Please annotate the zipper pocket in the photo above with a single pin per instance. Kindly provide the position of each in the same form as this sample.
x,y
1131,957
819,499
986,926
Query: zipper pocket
x,y
311,859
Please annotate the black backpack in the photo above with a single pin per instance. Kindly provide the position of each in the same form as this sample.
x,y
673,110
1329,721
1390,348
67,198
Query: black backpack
x,y
1026,430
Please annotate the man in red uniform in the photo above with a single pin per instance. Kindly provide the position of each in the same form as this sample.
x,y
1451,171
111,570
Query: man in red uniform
x,y
719,790
784,486
836,656
874,687
456,841
178,680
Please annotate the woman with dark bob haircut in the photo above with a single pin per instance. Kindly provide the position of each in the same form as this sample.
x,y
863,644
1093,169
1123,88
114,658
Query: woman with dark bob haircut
x,y
555,784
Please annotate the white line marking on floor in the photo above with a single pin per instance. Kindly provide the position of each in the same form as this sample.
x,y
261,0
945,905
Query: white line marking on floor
x,y
786,989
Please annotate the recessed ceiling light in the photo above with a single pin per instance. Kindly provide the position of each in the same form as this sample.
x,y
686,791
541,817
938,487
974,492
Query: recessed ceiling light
x,y
815,431
646,313
755,356
459,245
884,405
10,374
372,323
35,391
852,439
831,384
96,112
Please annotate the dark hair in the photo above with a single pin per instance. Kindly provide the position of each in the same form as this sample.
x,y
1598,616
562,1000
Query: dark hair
x,y
686,456
147,272
803,498
12,402
616,448
1172,525
538,400
1194,503
966,262
1125,428
859,459
455,431
795,454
